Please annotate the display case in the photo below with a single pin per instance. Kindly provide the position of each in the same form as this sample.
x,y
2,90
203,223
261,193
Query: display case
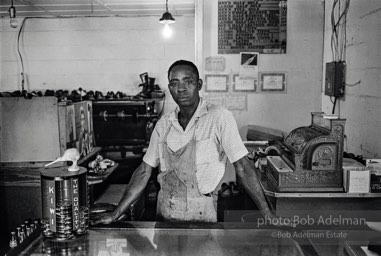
x,y
158,238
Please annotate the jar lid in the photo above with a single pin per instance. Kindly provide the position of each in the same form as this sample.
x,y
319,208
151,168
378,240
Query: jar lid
x,y
62,172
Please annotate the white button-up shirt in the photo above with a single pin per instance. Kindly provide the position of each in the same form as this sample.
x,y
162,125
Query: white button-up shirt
x,y
217,138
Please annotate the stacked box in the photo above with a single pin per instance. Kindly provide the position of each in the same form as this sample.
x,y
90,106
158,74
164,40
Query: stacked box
x,y
38,130
375,174
356,177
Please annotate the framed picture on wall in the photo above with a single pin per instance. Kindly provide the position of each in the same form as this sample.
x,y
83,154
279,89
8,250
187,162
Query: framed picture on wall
x,y
244,84
273,81
216,83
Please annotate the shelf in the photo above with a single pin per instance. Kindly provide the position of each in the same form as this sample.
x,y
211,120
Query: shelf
x,y
99,178
270,191
27,176
84,159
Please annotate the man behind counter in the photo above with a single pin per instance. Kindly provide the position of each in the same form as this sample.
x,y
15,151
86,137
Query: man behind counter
x,y
191,144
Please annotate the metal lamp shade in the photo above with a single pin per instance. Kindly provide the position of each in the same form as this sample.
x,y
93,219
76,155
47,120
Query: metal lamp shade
x,y
167,18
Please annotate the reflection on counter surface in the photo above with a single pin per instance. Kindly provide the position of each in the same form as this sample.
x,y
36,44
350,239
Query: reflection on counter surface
x,y
159,238
150,238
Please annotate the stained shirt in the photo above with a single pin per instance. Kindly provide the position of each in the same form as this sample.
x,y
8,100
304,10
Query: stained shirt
x,y
217,139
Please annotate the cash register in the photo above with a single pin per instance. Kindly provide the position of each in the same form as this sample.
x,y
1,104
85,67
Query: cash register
x,y
311,157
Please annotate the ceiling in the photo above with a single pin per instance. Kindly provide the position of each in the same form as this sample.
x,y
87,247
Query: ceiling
x,y
49,8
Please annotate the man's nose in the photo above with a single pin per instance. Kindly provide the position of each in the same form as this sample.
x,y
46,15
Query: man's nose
x,y
182,87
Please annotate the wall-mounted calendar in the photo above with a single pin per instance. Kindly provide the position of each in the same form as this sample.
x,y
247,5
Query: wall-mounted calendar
x,y
252,25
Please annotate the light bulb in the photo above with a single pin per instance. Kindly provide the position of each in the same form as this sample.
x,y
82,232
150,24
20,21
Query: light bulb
x,y
167,31
12,17
13,22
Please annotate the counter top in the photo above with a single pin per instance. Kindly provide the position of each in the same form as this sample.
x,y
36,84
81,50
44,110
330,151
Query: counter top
x,y
158,238
228,238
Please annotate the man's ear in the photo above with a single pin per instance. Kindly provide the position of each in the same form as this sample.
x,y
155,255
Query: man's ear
x,y
199,84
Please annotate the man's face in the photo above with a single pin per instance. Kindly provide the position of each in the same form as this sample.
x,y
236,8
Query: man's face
x,y
184,86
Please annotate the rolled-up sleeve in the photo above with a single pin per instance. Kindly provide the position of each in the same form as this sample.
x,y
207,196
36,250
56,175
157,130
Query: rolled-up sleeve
x,y
152,157
229,137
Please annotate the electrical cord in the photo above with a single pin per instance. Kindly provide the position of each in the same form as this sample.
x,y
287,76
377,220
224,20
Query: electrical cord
x,y
20,55
334,33
354,84
334,105
338,37
344,34
21,30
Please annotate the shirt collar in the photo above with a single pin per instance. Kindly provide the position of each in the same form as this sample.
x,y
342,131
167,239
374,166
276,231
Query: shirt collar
x,y
201,110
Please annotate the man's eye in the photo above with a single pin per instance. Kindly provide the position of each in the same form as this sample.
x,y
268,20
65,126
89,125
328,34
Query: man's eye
x,y
173,84
188,82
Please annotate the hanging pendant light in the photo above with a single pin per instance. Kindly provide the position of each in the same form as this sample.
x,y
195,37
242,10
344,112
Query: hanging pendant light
x,y
12,16
167,16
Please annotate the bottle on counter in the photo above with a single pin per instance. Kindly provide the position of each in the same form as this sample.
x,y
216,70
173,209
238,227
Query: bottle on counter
x,y
13,241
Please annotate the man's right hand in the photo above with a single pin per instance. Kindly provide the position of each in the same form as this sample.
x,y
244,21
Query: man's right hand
x,y
134,189
107,219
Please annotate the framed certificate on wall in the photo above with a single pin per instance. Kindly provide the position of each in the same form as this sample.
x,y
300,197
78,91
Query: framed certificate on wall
x,y
216,83
244,84
273,81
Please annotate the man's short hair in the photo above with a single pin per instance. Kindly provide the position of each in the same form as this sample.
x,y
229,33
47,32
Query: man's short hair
x,y
184,63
